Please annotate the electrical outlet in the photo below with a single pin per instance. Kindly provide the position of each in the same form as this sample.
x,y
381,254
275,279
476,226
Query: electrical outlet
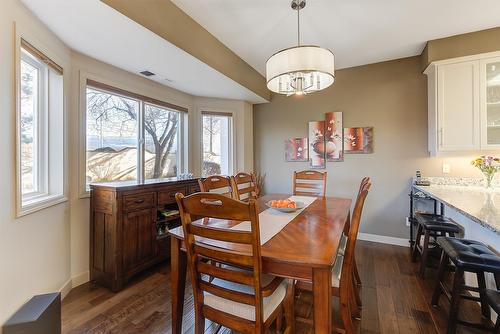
x,y
446,168
407,220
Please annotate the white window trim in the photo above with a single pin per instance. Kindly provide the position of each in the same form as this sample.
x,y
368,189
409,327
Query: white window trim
x,y
84,76
40,200
39,133
232,135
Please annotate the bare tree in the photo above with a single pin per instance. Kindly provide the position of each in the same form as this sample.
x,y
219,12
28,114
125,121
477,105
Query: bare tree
x,y
162,127
121,113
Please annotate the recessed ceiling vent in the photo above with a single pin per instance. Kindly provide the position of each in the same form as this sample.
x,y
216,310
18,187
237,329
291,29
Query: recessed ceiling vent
x,y
147,73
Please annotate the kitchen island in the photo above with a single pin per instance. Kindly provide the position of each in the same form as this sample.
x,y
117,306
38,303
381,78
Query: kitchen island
x,y
474,208
477,204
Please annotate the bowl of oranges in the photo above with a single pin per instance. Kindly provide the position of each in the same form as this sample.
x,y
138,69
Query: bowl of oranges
x,y
285,205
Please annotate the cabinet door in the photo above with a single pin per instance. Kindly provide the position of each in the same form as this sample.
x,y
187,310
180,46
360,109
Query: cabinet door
x,y
139,238
458,107
490,103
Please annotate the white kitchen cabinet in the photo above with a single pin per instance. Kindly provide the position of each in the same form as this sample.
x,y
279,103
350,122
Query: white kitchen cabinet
x,y
490,103
464,105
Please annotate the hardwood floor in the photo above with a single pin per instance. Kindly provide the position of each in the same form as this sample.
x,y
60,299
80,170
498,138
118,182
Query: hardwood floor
x,y
395,300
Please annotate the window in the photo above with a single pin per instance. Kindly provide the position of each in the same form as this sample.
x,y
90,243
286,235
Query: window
x,y
32,113
112,136
40,131
217,144
161,127
129,136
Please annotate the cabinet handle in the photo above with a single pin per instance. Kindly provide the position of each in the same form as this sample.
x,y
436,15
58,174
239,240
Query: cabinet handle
x,y
139,201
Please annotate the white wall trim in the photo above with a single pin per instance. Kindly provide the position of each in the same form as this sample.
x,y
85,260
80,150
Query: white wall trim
x,y
66,288
383,239
73,282
80,279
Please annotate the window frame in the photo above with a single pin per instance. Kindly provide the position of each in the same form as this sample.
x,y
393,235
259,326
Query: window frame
x,y
40,156
181,168
46,191
88,82
231,139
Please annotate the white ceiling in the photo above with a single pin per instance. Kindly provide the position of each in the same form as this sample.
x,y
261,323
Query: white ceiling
x,y
358,31
94,29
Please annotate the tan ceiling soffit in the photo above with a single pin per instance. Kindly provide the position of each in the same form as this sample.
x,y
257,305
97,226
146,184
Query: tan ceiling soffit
x,y
461,45
169,22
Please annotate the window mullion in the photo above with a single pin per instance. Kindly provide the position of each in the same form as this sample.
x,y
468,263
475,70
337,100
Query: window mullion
x,y
141,145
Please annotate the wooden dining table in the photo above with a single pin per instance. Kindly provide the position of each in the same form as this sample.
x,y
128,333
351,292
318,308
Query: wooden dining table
x,y
305,249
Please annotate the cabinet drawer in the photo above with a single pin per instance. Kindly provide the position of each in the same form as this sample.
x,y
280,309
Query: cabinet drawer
x,y
167,196
194,189
138,201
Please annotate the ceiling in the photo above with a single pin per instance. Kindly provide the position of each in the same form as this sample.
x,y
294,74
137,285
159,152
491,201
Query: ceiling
x,y
357,31
96,30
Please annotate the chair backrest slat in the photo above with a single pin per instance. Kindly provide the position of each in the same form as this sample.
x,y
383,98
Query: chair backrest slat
x,y
221,234
242,277
236,296
222,256
308,185
241,263
218,184
245,186
315,184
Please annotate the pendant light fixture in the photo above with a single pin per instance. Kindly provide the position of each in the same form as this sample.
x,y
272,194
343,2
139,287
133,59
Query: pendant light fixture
x,y
301,69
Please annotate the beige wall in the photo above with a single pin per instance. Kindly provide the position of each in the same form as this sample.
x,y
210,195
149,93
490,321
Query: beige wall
x,y
473,43
48,250
391,97
34,249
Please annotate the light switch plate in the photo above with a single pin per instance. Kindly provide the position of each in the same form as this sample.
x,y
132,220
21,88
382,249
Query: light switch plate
x,y
446,168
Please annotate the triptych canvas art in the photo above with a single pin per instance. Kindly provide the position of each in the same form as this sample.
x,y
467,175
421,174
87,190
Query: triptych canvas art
x,y
328,141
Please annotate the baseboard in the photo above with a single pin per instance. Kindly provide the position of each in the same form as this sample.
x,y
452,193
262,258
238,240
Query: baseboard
x,y
73,282
66,288
383,239
80,279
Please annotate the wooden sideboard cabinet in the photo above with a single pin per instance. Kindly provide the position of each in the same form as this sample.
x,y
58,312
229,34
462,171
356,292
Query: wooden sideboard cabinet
x,y
129,224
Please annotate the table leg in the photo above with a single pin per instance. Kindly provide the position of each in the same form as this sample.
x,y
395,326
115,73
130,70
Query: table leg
x,y
322,295
178,275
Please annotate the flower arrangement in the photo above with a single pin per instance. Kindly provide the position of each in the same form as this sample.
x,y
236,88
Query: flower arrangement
x,y
488,165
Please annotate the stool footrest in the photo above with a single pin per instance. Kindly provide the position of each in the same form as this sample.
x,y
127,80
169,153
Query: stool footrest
x,y
469,297
476,325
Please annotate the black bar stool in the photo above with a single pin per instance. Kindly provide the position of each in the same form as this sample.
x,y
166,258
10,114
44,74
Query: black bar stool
x,y
493,299
467,256
431,225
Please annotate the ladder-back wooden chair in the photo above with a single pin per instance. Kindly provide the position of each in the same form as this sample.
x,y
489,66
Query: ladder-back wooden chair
x,y
218,184
239,297
343,284
309,183
343,246
245,186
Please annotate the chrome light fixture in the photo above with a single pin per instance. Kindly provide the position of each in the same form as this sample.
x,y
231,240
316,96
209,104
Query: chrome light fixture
x,y
301,69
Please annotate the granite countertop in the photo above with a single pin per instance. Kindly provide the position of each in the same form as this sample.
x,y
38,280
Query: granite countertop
x,y
477,203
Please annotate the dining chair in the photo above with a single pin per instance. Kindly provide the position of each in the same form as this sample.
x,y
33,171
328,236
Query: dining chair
x,y
343,284
309,183
240,297
245,186
342,248
217,183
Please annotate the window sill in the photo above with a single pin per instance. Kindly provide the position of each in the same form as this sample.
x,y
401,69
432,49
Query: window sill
x,y
39,203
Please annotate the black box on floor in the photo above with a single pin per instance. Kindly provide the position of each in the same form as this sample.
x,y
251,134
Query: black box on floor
x,y
40,315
